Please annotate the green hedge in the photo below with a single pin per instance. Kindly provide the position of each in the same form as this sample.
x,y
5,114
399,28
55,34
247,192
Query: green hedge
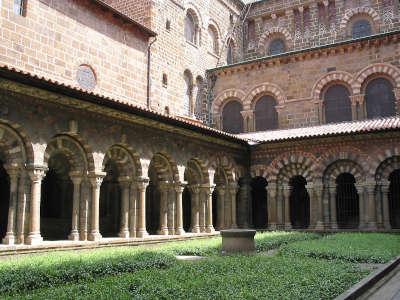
x,y
38,275
274,239
353,247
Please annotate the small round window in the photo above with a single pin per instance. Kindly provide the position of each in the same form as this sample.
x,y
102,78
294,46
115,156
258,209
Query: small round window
x,y
86,77
276,47
361,28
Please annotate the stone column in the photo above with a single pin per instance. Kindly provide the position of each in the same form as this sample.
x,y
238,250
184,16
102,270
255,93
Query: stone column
x,y
357,107
171,210
85,209
164,187
10,237
125,197
209,218
312,208
397,96
36,174
245,202
179,210
233,192
195,227
76,180
280,207
203,196
318,207
272,206
95,180
371,206
362,206
320,110
332,200
142,186
133,209
286,196
23,208
221,207
248,120
385,206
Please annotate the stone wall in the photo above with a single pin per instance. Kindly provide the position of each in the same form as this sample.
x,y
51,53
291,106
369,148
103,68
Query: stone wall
x,y
54,38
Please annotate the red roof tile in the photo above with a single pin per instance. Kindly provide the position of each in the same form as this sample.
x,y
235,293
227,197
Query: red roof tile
x,y
382,124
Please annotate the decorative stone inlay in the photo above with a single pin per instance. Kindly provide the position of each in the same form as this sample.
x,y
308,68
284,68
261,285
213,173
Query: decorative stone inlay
x,y
86,77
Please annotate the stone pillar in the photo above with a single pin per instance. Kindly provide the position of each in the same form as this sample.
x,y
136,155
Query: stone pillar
x,y
371,206
248,120
272,206
84,227
332,200
358,107
209,217
319,105
318,206
23,208
233,192
196,203
203,198
221,207
95,180
10,237
362,205
76,180
164,187
179,210
171,210
142,186
36,174
280,207
286,196
385,206
397,96
125,197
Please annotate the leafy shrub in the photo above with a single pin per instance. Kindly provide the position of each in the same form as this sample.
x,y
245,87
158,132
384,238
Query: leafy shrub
x,y
37,275
353,247
272,240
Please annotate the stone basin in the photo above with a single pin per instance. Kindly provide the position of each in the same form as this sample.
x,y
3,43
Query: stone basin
x,y
238,241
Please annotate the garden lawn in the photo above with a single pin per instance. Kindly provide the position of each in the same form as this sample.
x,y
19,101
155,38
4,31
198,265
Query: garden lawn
x,y
353,247
232,277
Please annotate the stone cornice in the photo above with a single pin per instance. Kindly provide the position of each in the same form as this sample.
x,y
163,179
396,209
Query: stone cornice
x,y
309,53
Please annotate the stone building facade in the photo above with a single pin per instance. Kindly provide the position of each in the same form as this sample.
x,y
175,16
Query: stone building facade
x,y
100,104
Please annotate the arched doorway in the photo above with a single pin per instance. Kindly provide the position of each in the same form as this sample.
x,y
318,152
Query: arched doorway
x,y
56,199
4,199
347,204
110,202
187,209
152,208
259,197
299,203
394,199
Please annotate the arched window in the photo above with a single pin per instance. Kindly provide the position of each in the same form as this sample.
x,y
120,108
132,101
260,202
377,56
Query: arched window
x,y
337,104
213,40
191,28
232,120
187,93
360,29
379,99
266,116
276,47
229,53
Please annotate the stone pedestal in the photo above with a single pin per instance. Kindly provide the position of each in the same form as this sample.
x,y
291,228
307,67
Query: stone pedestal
x,y
238,241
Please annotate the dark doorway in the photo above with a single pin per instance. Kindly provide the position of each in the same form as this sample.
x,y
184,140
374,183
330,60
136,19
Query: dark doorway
x,y
110,202
187,209
299,203
347,205
394,199
4,199
56,200
152,209
259,196
215,208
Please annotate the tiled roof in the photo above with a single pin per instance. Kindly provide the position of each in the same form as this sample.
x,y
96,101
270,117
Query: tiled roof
x,y
27,78
366,126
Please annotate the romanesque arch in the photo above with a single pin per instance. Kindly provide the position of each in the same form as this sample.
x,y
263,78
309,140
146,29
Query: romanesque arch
x,y
258,91
330,78
369,11
274,31
225,96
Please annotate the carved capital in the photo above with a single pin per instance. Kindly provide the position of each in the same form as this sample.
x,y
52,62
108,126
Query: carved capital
x,y
96,179
37,173
359,98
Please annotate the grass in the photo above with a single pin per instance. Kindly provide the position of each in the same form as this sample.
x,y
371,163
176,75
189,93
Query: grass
x,y
353,247
307,267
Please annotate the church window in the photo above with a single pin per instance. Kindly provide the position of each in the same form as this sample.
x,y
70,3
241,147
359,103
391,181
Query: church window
x,y
337,104
379,99
361,28
232,120
266,116
276,47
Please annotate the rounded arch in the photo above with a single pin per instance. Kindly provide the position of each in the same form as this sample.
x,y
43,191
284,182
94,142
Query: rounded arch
x,y
126,160
264,89
338,77
78,155
215,36
231,116
224,167
351,13
196,172
386,168
226,96
165,167
274,32
192,8
289,165
342,166
389,71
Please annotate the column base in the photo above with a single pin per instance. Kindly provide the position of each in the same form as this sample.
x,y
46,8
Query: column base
x,y
9,239
195,229
94,236
74,236
319,226
272,226
334,226
34,239
83,235
141,233
163,231
387,226
179,231
372,226
124,234
210,229
288,226
234,226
